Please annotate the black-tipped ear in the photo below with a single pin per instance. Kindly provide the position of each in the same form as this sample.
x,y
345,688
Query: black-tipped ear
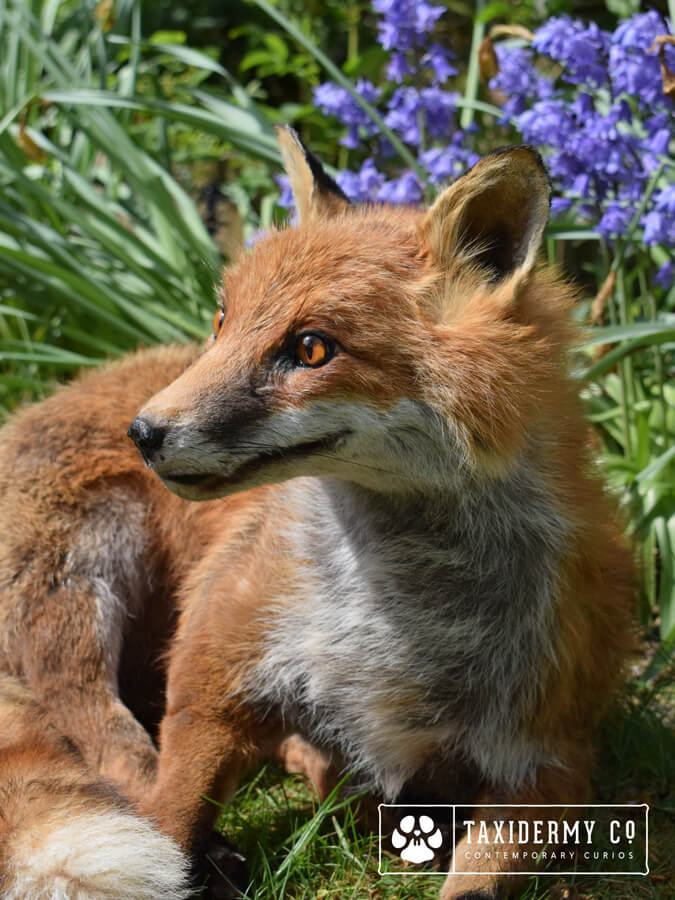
x,y
493,217
314,192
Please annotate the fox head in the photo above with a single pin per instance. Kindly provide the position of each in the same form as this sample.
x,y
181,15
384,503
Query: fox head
x,y
397,348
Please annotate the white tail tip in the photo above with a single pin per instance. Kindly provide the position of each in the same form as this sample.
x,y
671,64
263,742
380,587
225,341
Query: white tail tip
x,y
94,854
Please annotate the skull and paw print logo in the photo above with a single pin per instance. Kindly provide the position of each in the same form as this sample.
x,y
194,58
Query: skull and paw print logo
x,y
417,838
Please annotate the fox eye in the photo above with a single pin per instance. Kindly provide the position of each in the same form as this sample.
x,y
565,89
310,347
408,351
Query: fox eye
x,y
218,321
313,350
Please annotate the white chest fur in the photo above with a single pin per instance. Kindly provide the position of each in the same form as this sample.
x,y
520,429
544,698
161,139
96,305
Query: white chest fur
x,y
420,627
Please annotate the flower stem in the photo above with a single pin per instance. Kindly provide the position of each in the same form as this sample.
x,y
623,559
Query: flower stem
x,y
473,71
650,304
626,373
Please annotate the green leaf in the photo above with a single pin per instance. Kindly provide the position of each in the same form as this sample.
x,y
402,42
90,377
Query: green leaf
x,y
665,539
574,234
610,359
613,333
278,47
172,38
496,10
657,465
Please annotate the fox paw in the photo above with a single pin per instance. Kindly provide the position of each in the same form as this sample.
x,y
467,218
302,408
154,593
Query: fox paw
x,y
222,871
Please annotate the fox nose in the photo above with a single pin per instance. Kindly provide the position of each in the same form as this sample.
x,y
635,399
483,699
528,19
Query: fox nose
x,y
146,436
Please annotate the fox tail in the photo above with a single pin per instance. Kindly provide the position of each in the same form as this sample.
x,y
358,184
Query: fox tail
x,y
65,834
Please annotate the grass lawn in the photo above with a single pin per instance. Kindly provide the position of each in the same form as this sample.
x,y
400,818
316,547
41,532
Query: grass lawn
x,y
299,849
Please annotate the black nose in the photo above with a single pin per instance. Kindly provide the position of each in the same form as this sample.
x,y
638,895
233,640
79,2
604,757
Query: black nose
x,y
146,436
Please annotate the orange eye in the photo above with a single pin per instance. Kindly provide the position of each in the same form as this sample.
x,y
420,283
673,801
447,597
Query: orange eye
x,y
313,350
218,320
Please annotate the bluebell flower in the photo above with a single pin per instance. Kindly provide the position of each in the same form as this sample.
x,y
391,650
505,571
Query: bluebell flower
x,y
580,49
518,79
449,161
426,15
632,69
615,220
438,60
398,67
286,198
659,142
547,122
603,122
659,222
560,205
405,24
337,101
405,108
404,189
349,182
439,107
665,275
362,186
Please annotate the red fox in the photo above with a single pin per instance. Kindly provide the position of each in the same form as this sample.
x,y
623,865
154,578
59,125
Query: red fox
x,y
414,568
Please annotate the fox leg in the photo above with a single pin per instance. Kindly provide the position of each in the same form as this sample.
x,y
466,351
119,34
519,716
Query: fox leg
x,y
299,757
555,785
66,650
209,738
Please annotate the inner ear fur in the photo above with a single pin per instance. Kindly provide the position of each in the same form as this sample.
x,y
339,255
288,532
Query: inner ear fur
x,y
493,217
314,192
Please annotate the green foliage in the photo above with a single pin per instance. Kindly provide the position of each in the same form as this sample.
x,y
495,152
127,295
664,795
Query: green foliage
x,y
101,245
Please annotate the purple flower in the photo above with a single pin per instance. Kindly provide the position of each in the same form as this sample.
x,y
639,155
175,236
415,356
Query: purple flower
x,y
405,108
405,24
665,275
257,235
547,122
286,198
337,101
632,69
425,16
448,161
364,185
560,205
603,124
659,222
437,59
398,67
518,79
615,220
439,107
581,49
404,189
660,141
655,226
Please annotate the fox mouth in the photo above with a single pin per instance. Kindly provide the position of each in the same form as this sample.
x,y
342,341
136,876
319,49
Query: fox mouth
x,y
205,482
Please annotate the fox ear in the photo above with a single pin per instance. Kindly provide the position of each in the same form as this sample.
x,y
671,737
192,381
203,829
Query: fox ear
x,y
315,194
492,218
